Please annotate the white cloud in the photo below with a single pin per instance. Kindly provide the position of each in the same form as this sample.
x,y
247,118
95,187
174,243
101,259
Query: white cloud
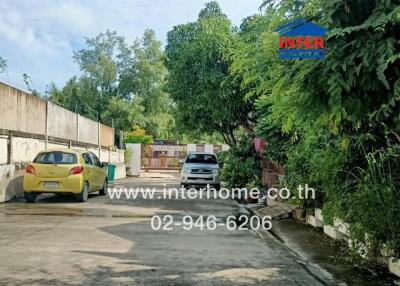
x,y
38,37
70,17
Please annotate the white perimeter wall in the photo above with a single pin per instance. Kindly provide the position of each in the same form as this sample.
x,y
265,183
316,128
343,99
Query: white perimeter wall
x,y
24,151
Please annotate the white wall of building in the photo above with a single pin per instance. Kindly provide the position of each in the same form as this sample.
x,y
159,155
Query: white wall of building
x,y
191,148
209,148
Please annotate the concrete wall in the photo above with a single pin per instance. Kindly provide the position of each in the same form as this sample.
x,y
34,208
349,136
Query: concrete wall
x,y
88,130
209,148
191,148
62,123
24,151
117,157
109,156
24,112
106,135
20,111
3,150
11,181
56,145
104,155
120,171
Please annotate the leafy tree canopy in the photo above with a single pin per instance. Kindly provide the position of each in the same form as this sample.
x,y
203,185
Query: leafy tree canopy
x,y
121,84
206,96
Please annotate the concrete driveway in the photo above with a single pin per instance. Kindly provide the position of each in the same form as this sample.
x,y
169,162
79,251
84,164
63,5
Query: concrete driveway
x,y
57,241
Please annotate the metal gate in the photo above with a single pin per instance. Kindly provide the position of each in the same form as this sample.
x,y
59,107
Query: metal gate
x,y
162,157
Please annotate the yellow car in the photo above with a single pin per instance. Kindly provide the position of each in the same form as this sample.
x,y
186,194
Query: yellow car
x,y
65,171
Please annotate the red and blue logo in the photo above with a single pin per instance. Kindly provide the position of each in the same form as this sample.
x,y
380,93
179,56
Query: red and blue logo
x,y
301,39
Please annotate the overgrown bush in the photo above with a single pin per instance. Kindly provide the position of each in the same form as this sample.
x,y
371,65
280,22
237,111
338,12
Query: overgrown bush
x,y
336,112
372,196
241,166
138,135
143,139
316,159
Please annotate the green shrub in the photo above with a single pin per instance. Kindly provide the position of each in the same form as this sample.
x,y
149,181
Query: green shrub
x,y
373,200
317,160
241,166
138,135
143,139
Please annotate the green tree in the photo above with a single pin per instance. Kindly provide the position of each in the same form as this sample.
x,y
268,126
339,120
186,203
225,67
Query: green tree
x,y
146,79
337,113
121,84
78,95
99,64
98,60
124,113
208,99
101,61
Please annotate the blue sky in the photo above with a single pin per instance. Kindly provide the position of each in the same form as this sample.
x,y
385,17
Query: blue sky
x,y
38,37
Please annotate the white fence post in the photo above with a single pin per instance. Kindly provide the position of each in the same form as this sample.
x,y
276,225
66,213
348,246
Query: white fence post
x,y
77,129
47,125
98,137
135,161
